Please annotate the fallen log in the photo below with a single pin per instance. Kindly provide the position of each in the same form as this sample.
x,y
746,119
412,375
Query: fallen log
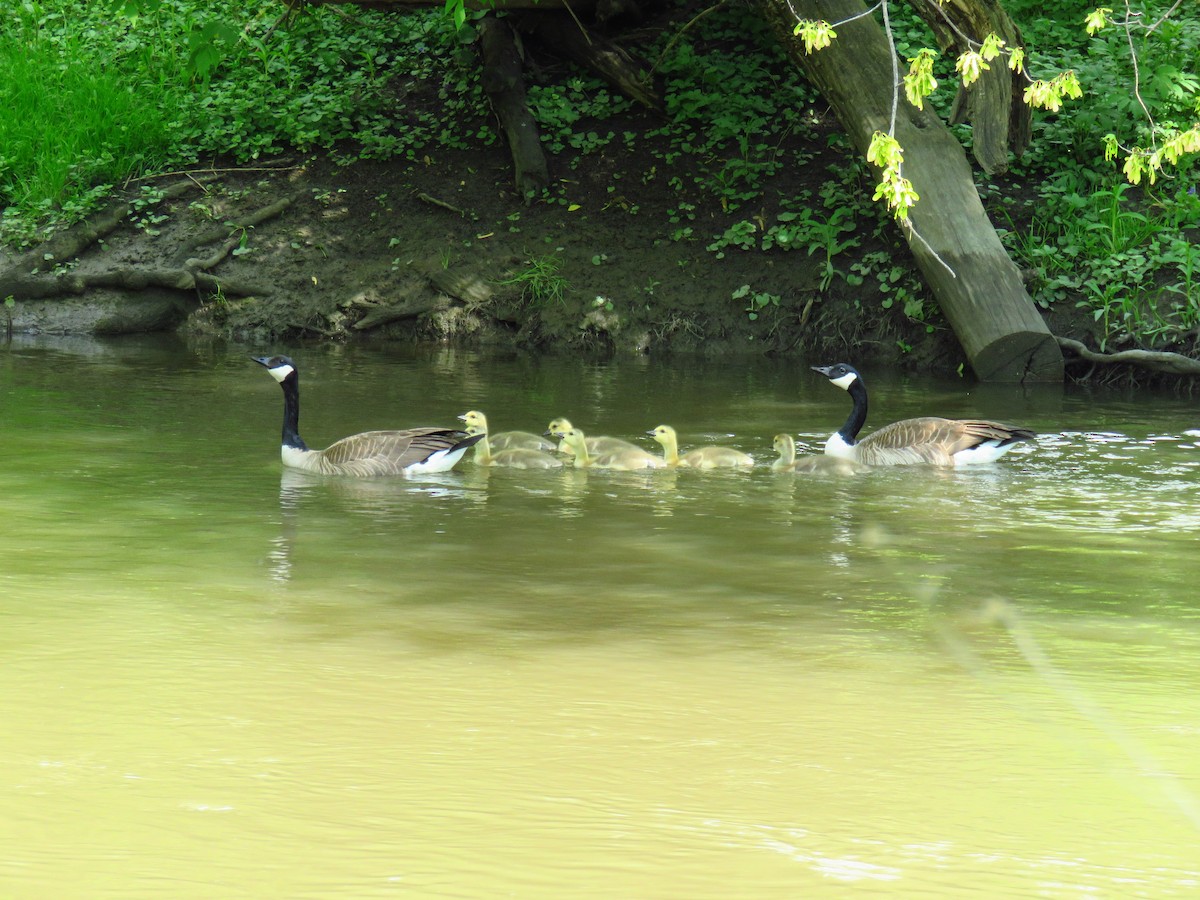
x,y
976,285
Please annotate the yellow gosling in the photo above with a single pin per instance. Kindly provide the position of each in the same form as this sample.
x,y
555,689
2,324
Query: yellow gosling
x,y
512,458
600,444
624,460
785,446
701,458
506,440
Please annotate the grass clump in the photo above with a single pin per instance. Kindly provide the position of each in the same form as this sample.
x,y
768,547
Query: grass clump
x,y
76,118
541,282
181,82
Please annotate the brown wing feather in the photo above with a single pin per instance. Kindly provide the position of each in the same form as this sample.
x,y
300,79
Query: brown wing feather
x,y
932,440
996,431
385,452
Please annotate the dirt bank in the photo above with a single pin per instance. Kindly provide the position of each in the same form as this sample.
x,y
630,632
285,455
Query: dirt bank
x,y
445,250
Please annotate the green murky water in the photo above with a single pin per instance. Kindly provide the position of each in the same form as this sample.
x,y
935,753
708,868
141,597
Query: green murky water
x,y
223,680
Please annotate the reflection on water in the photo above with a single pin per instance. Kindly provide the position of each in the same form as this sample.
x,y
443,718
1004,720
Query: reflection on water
x,y
226,679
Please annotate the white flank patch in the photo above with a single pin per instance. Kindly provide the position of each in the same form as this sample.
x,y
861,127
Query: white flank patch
x,y
845,381
439,461
297,458
281,372
837,446
987,452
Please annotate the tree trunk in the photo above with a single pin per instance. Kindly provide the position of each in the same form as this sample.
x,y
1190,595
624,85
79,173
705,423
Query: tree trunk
x,y
503,82
976,285
1000,120
566,37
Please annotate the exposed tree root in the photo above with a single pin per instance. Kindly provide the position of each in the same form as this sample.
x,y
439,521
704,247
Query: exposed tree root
x,y
434,286
26,280
23,279
411,300
232,241
129,278
75,240
1154,360
434,201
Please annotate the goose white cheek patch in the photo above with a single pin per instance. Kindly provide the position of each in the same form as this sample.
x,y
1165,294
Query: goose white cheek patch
x,y
845,381
281,372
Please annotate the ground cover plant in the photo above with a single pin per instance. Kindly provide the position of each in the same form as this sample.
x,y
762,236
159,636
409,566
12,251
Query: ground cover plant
x,y
1124,255
140,88
177,83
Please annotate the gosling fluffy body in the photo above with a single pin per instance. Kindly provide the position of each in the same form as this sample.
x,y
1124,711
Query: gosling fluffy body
x,y
599,444
812,464
512,458
506,440
712,457
624,460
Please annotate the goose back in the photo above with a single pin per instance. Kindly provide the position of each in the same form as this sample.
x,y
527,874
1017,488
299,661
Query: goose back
x,y
628,460
716,458
525,458
514,458
520,440
625,460
820,464
936,441
374,453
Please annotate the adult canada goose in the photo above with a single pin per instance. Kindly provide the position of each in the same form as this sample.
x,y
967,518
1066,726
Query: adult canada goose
x,y
512,458
407,452
939,442
599,444
785,446
700,458
506,440
626,460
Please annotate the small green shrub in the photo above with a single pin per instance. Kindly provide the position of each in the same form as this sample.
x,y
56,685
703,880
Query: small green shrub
x,y
541,284
756,301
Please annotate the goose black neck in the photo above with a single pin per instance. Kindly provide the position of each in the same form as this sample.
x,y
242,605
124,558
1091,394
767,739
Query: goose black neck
x,y
291,412
858,415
